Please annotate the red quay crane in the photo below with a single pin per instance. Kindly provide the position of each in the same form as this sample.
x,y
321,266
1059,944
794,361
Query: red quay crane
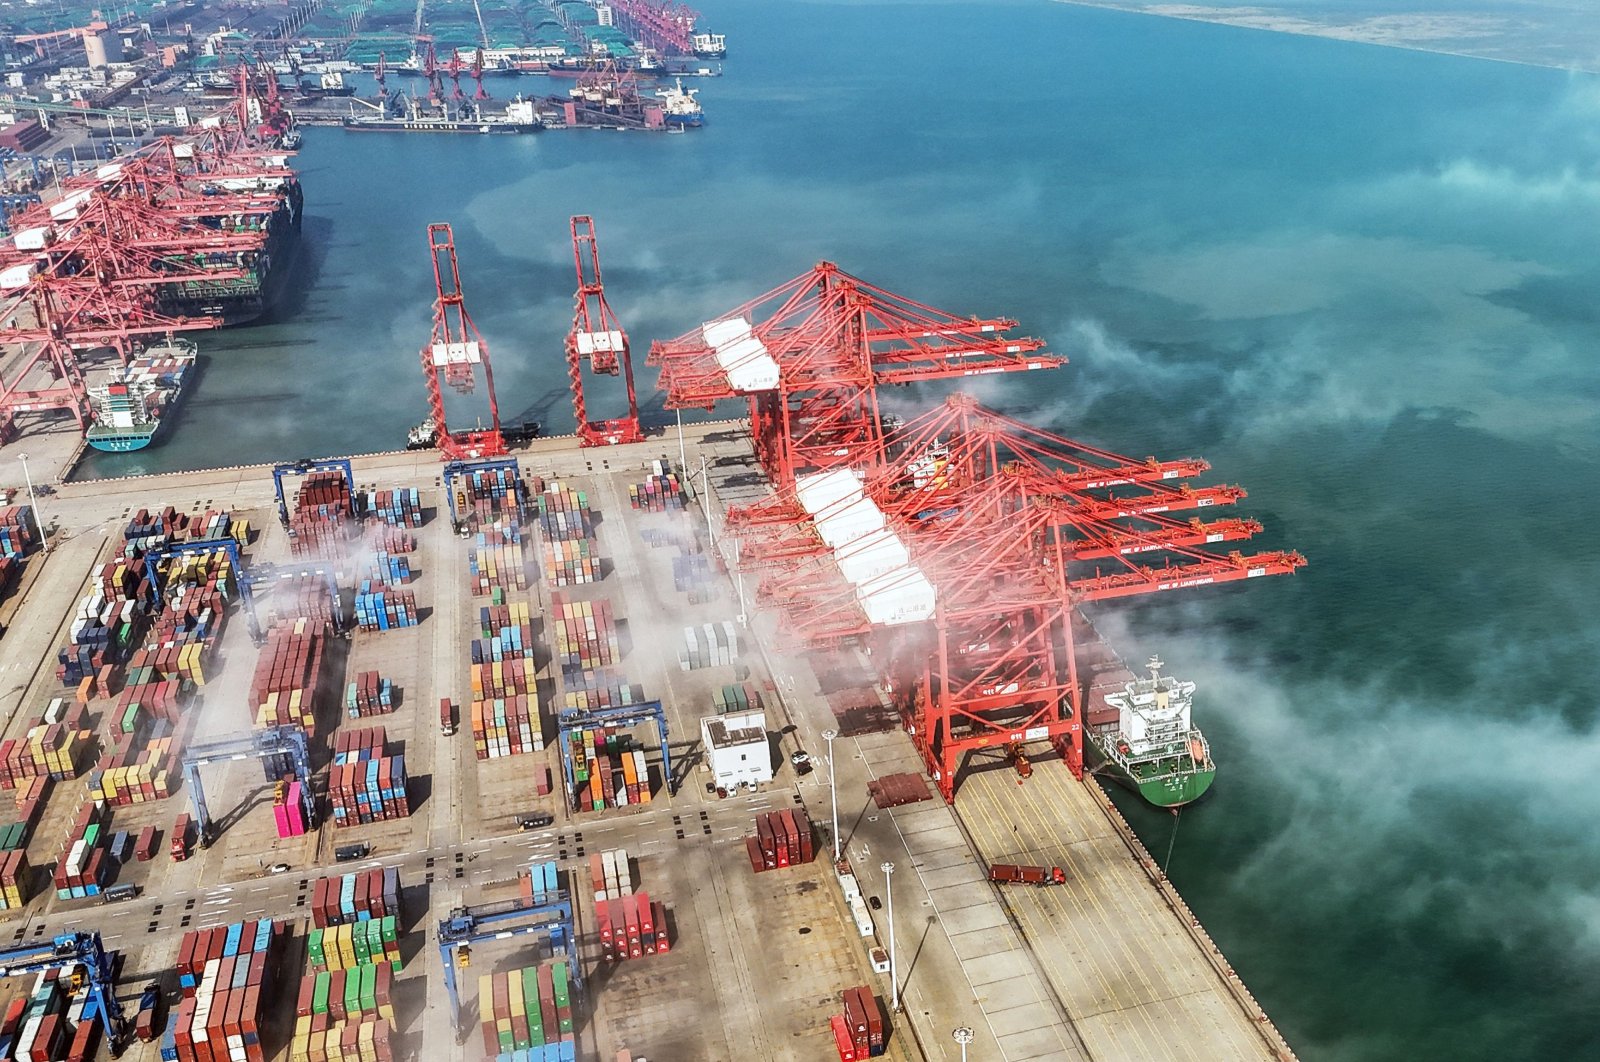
x,y
809,357
598,338
961,557
454,352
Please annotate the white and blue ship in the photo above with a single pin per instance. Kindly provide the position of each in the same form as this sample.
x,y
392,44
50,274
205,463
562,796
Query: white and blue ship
x,y
131,406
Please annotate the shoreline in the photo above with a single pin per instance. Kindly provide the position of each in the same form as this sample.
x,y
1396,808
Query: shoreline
x,y
1292,25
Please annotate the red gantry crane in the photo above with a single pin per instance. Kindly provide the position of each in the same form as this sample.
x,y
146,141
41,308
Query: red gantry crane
x,y
598,338
961,557
454,353
810,355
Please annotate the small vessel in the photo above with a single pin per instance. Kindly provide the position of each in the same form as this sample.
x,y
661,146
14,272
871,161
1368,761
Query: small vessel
x,y
130,408
679,105
1142,734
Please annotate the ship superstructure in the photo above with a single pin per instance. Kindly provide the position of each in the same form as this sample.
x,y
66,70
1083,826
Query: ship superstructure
x,y
1143,734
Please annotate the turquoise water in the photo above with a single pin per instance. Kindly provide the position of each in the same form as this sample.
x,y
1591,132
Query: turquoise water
x,y
1359,281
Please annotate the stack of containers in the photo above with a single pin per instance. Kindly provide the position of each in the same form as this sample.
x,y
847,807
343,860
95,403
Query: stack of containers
x,y
631,924
223,972
321,521
485,495
352,945
782,839
302,596
49,750
495,562
288,672
692,575
540,884
147,531
13,878
709,645
506,726
18,531
30,799
398,508
369,694
527,1014
346,1028
391,568
660,492
288,810
608,770
364,784
569,551
734,699
382,608
84,864
155,690
863,1021
103,632
586,633
143,758
10,571
686,541
211,525
390,540
360,896
38,1025
598,689
14,836
507,632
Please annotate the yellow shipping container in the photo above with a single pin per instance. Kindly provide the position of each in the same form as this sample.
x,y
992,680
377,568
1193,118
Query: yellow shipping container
x,y
485,997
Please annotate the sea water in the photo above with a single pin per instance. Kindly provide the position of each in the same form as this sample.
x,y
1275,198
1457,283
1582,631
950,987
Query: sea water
x,y
1361,282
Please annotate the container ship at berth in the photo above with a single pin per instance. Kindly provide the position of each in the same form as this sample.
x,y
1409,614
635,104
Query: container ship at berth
x,y
519,116
240,300
1140,733
131,407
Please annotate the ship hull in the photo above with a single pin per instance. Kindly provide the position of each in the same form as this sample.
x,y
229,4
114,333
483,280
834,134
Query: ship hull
x,y
481,128
123,442
1164,789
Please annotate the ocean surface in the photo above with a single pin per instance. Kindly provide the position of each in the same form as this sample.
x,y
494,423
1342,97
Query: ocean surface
x,y
1361,282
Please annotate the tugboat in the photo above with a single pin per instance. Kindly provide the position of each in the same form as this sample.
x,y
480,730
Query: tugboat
x,y
1143,737
130,408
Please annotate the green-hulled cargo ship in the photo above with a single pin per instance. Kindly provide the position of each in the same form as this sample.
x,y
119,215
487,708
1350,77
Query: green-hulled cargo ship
x,y
1140,732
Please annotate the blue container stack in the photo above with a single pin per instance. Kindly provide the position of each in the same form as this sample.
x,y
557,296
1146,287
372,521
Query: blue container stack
x,y
398,508
17,531
383,608
507,644
390,568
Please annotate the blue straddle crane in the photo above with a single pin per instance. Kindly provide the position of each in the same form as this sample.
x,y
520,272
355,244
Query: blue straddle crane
x,y
250,581
305,468
462,469
288,741
574,719
467,926
70,951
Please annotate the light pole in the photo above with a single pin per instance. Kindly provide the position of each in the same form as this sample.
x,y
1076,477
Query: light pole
x,y
894,970
828,736
963,1037
38,518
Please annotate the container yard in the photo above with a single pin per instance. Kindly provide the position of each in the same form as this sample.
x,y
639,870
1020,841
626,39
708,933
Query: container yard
x,y
235,721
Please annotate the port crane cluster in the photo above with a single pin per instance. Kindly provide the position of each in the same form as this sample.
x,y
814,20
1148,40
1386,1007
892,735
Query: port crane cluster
x,y
955,546
136,249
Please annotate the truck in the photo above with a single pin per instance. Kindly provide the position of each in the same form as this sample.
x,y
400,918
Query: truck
x,y
447,717
1011,874
144,1024
180,837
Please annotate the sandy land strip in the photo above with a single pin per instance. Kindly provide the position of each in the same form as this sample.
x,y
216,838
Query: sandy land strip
x,y
1511,37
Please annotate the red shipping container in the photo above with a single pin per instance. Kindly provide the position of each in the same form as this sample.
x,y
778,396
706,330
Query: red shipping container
x,y
842,1040
659,917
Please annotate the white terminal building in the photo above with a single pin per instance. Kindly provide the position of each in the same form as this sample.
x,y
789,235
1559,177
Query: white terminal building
x,y
737,749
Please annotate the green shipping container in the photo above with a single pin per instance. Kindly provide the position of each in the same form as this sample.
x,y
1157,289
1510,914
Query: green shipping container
x,y
319,994
390,934
352,991
130,719
314,948
558,978
369,989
